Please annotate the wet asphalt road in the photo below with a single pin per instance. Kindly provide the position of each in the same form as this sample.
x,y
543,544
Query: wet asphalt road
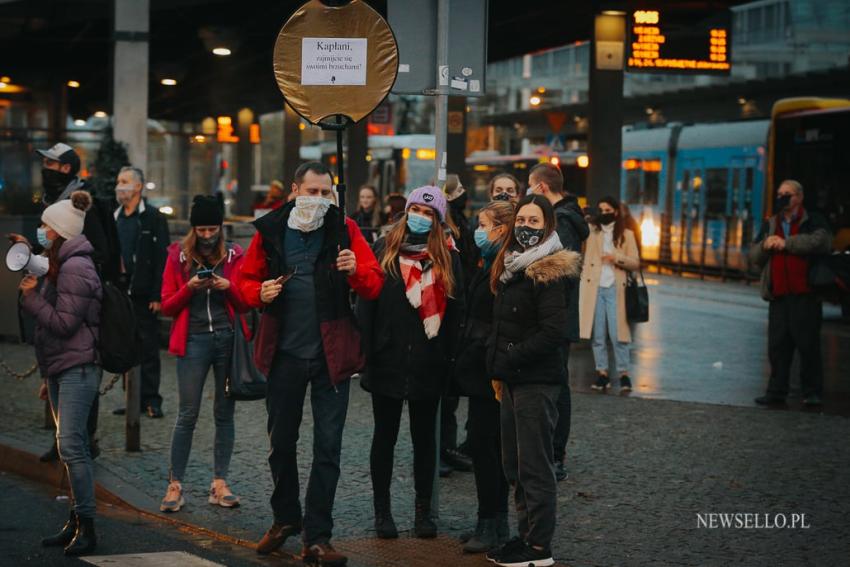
x,y
707,342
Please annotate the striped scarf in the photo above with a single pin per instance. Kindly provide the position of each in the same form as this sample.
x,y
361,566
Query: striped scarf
x,y
424,294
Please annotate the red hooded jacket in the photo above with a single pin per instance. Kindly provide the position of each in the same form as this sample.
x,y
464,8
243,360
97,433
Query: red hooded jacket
x,y
176,294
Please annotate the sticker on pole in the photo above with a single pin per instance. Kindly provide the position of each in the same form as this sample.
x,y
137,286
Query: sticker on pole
x,y
334,61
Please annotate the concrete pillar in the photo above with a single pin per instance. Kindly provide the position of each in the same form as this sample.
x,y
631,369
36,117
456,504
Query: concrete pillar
x,y
130,78
456,138
244,162
291,144
356,166
605,137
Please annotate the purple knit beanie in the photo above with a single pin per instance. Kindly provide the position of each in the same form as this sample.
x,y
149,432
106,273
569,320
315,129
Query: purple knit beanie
x,y
430,196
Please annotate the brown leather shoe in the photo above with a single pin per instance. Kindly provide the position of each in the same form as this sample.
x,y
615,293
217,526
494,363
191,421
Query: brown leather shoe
x,y
275,537
322,554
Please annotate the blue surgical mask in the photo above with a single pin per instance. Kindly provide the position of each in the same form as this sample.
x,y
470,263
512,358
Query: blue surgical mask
x,y
41,236
488,247
418,224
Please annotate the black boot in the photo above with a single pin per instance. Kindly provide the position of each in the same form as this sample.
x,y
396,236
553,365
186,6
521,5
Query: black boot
x,y
485,538
423,525
65,535
385,526
84,540
50,455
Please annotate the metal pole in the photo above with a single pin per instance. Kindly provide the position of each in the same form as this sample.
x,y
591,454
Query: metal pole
x,y
442,99
440,134
340,172
133,404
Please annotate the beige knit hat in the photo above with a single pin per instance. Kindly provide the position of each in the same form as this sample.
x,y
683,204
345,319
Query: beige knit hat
x,y
68,216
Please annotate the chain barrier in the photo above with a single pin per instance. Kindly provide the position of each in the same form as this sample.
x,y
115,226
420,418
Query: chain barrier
x,y
20,376
111,384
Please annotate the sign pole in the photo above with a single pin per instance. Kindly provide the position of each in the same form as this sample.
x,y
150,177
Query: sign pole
x,y
442,98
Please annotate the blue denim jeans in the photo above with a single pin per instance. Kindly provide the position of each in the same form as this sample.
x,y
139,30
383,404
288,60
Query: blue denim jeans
x,y
72,394
203,350
605,326
288,381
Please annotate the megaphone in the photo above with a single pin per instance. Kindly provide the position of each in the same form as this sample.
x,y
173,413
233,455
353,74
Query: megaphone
x,y
20,257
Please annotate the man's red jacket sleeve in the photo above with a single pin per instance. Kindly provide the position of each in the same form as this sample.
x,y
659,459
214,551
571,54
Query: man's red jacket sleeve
x,y
367,281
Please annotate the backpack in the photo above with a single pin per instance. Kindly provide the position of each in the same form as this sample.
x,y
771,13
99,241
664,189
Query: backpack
x,y
118,342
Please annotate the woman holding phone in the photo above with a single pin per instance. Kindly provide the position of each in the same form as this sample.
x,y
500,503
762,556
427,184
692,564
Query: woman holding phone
x,y
197,292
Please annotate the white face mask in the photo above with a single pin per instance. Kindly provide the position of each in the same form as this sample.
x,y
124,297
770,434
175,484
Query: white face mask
x,y
309,213
124,194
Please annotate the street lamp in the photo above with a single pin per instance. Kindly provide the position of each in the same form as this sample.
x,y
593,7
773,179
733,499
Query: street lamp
x,y
168,82
73,84
534,100
100,114
221,51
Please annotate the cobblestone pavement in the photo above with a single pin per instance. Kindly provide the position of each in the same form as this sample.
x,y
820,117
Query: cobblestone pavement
x,y
641,469
640,473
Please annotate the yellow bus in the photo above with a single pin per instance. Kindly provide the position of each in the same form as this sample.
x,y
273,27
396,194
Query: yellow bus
x,y
809,141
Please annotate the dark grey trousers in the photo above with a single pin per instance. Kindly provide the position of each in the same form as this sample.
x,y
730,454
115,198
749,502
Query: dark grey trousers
x,y
528,417
794,323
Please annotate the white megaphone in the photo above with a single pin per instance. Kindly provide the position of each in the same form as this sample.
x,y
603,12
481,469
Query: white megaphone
x,y
20,257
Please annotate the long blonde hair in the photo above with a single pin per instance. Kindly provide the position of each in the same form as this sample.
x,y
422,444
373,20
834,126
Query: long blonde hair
x,y
189,247
437,249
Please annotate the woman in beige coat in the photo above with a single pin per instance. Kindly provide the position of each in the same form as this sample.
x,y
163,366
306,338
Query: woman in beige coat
x,y
610,253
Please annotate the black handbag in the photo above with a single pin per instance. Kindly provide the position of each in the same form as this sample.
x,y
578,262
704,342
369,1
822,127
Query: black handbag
x,y
637,299
244,381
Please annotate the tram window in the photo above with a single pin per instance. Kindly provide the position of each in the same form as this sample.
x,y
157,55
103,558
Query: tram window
x,y
716,192
633,191
748,186
650,188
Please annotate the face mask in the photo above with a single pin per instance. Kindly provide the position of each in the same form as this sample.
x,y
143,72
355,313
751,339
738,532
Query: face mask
x,y
418,224
309,213
607,218
782,202
502,197
459,202
488,247
41,236
209,242
124,194
54,182
528,236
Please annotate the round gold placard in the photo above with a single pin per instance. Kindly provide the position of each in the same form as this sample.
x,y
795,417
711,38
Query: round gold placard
x,y
335,60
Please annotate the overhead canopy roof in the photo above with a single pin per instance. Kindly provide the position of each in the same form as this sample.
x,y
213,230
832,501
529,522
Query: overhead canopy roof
x,y
49,42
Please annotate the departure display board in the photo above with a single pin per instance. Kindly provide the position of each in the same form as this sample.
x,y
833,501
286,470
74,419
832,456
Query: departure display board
x,y
678,41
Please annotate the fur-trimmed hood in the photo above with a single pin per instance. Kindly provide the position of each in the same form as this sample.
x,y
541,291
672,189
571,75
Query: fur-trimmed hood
x,y
560,265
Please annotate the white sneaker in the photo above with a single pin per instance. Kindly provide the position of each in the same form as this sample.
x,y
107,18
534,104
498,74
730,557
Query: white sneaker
x,y
220,494
173,500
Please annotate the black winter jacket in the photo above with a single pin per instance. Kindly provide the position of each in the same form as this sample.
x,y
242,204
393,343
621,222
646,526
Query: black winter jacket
x,y
150,254
572,229
401,362
470,372
530,317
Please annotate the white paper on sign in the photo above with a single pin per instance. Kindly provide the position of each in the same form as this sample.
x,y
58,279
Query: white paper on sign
x,y
403,68
333,61
444,75
459,84
474,86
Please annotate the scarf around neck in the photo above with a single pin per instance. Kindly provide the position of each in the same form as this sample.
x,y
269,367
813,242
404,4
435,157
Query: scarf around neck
x,y
517,261
423,292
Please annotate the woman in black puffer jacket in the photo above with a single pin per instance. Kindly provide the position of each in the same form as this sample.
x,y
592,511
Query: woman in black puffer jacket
x,y
410,333
524,357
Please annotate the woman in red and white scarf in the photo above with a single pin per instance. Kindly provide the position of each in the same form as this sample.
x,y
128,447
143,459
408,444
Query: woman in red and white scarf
x,y
410,334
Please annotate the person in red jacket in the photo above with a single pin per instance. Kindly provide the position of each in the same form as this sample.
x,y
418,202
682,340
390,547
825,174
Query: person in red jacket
x,y
198,292
300,269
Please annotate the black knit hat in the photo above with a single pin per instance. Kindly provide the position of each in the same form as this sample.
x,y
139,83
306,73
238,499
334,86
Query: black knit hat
x,y
206,211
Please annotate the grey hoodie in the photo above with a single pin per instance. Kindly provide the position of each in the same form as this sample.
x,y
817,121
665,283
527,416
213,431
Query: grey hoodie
x,y
67,314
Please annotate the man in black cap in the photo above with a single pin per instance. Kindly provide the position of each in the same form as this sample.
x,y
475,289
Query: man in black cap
x,y
59,174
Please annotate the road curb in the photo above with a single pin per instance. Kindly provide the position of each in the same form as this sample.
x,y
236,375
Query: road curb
x,y
109,489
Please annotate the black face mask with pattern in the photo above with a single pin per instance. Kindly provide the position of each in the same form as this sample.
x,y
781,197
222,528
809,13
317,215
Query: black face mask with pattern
x,y
527,236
